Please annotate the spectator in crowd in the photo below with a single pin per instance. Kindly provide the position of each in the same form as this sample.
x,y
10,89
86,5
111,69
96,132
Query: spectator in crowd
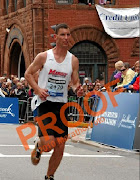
x,y
134,85
90,87
21,95
4,89
118,66
14,82
90,2
2,79
102,1
86,81
85,89
20,92
97,81
108,2
127,74
1,93
97,87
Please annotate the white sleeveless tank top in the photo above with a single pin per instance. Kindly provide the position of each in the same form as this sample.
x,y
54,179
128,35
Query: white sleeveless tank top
x,y
55,77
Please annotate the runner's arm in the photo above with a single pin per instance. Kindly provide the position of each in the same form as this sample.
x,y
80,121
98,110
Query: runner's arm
x,y
77,87
34,67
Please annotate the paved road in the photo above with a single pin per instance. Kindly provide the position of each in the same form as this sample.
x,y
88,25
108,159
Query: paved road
x,y
80,161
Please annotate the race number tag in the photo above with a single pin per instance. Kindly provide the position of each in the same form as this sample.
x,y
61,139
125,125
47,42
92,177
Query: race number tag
x,y
56,87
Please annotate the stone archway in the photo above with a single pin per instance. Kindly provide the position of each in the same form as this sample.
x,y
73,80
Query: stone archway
x,y
91,33
15,38
17,60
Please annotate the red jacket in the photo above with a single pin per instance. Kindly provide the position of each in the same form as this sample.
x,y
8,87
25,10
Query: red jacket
x,y
136,85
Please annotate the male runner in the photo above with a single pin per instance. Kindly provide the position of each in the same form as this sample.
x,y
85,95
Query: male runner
x,y
57,68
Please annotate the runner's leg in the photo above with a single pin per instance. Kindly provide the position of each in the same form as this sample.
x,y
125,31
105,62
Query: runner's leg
x,y
56,157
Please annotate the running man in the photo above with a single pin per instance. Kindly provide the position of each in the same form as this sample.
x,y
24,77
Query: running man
x,y
57,68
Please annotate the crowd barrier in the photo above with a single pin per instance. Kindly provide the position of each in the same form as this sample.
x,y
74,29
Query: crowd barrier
x,y
74,113
25,112
22,109
120,126
9,111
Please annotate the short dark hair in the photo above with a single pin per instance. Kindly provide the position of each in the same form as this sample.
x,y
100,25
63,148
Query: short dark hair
x,y
59,26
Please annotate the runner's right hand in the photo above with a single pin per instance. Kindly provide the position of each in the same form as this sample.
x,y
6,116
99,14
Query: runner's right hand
x,y
42,93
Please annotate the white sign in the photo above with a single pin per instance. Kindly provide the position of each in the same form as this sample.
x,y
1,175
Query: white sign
x,y
120,22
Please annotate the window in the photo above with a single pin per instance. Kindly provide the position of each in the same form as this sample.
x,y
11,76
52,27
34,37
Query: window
x,y
7,4
15,4
24,2
64,1
92,60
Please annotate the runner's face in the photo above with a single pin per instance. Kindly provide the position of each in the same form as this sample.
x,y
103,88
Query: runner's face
x,y
63,36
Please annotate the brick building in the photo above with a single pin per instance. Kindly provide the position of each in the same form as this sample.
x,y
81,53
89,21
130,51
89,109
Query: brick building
x,y
25,30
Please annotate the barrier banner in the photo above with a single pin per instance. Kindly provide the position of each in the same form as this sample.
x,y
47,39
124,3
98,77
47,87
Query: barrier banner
x,y
120,22
137,135
9,110
118,124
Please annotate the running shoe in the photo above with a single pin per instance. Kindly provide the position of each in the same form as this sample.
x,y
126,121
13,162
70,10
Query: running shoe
x,y
35,155
49,177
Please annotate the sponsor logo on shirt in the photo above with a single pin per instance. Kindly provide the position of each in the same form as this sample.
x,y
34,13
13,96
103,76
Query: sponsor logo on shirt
x,y
57,73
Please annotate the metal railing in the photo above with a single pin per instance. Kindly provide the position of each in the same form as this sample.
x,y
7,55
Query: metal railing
x,y
74,113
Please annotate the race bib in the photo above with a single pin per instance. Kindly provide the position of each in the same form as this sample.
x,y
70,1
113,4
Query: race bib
x,y
56,87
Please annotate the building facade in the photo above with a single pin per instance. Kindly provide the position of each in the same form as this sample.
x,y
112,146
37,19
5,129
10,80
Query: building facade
x,y
26,30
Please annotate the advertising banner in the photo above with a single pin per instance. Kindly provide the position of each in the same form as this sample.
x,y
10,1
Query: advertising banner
x,y
9,111
118,124
136,145
120,22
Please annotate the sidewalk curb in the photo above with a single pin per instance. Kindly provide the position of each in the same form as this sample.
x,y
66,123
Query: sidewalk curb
x,y
98,145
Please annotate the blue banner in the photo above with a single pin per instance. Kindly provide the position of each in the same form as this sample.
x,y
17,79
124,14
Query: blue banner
x,y
116,126
9,111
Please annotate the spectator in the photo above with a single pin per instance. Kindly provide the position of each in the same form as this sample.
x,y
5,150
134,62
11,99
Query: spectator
x,y
90,87
108,2
85,89
9,86
86,81
102,1
97,87
97,81
1,94
4,90
2,79
118,66
127,74
20,92
14,82
134,78
90,2
136,84
21,95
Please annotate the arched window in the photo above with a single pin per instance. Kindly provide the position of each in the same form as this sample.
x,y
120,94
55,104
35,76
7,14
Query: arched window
x,y
7,4
24,2
92,60
15,4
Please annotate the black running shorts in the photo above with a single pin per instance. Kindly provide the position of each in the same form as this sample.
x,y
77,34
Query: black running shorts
x,y
53,107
